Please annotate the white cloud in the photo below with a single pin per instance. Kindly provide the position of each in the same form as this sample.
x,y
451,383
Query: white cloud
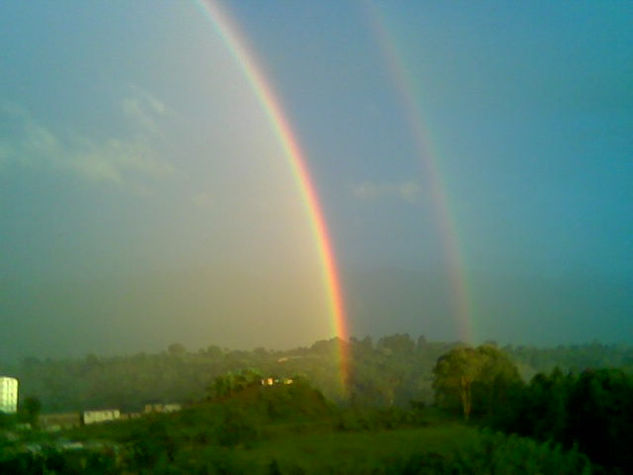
x,y
118,160
143,109
368,191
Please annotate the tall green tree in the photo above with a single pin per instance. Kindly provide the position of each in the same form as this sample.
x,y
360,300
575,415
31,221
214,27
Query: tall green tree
x,y
467,377
454,375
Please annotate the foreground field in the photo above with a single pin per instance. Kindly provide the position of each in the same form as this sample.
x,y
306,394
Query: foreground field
x,y
444,449
289,429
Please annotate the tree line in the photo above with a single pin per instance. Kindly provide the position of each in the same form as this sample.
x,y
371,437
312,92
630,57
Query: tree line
x,y
390,371
591,410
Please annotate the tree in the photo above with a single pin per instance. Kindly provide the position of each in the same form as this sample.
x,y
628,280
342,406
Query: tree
x,y
498,381
176,349
232,383
467,376
398,343
600,417
454,375
30,410
214,352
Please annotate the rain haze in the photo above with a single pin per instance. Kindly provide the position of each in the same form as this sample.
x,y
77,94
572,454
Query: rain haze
x,y
472,166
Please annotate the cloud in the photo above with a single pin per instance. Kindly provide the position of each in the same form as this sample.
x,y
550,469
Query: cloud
x,y
368,191
143,109
125,161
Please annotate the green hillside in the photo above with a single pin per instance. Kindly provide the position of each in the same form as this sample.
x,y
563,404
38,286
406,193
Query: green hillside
x,y
290,428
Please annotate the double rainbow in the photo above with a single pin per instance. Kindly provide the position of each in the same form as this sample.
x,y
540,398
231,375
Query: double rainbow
x,y
261,87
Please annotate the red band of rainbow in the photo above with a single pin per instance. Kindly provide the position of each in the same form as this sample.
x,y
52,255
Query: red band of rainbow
x,y
230,34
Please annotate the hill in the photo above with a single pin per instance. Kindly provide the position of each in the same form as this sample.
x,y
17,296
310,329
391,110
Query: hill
x,y
287,428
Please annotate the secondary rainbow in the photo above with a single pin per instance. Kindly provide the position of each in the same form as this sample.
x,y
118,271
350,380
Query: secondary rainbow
x,y
237,45
447,228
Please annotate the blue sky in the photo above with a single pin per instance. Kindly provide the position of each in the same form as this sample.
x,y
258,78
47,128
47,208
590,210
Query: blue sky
x,y
144,198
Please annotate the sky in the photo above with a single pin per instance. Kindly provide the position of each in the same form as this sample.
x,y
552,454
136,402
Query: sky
x,y
473,165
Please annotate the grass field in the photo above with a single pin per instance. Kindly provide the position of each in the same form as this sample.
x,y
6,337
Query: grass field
x,y
294,430
446,448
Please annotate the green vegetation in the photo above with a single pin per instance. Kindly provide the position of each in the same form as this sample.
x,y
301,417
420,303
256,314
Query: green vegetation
x,y
292,428
412,407
229,384
483,374
30,411
394,370
592,410
391,371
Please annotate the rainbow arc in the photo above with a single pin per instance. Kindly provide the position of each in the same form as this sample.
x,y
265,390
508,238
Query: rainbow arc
x,y
238,46
405,84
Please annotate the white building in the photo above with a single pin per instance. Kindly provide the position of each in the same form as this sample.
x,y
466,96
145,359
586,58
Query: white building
x,y
93,417
8,394
158,407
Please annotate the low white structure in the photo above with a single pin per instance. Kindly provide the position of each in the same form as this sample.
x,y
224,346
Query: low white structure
x,y
171,407
93,417
8,394
273,381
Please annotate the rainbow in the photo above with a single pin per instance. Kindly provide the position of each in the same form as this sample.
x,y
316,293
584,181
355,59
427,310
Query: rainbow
x,y
237,45
405,84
